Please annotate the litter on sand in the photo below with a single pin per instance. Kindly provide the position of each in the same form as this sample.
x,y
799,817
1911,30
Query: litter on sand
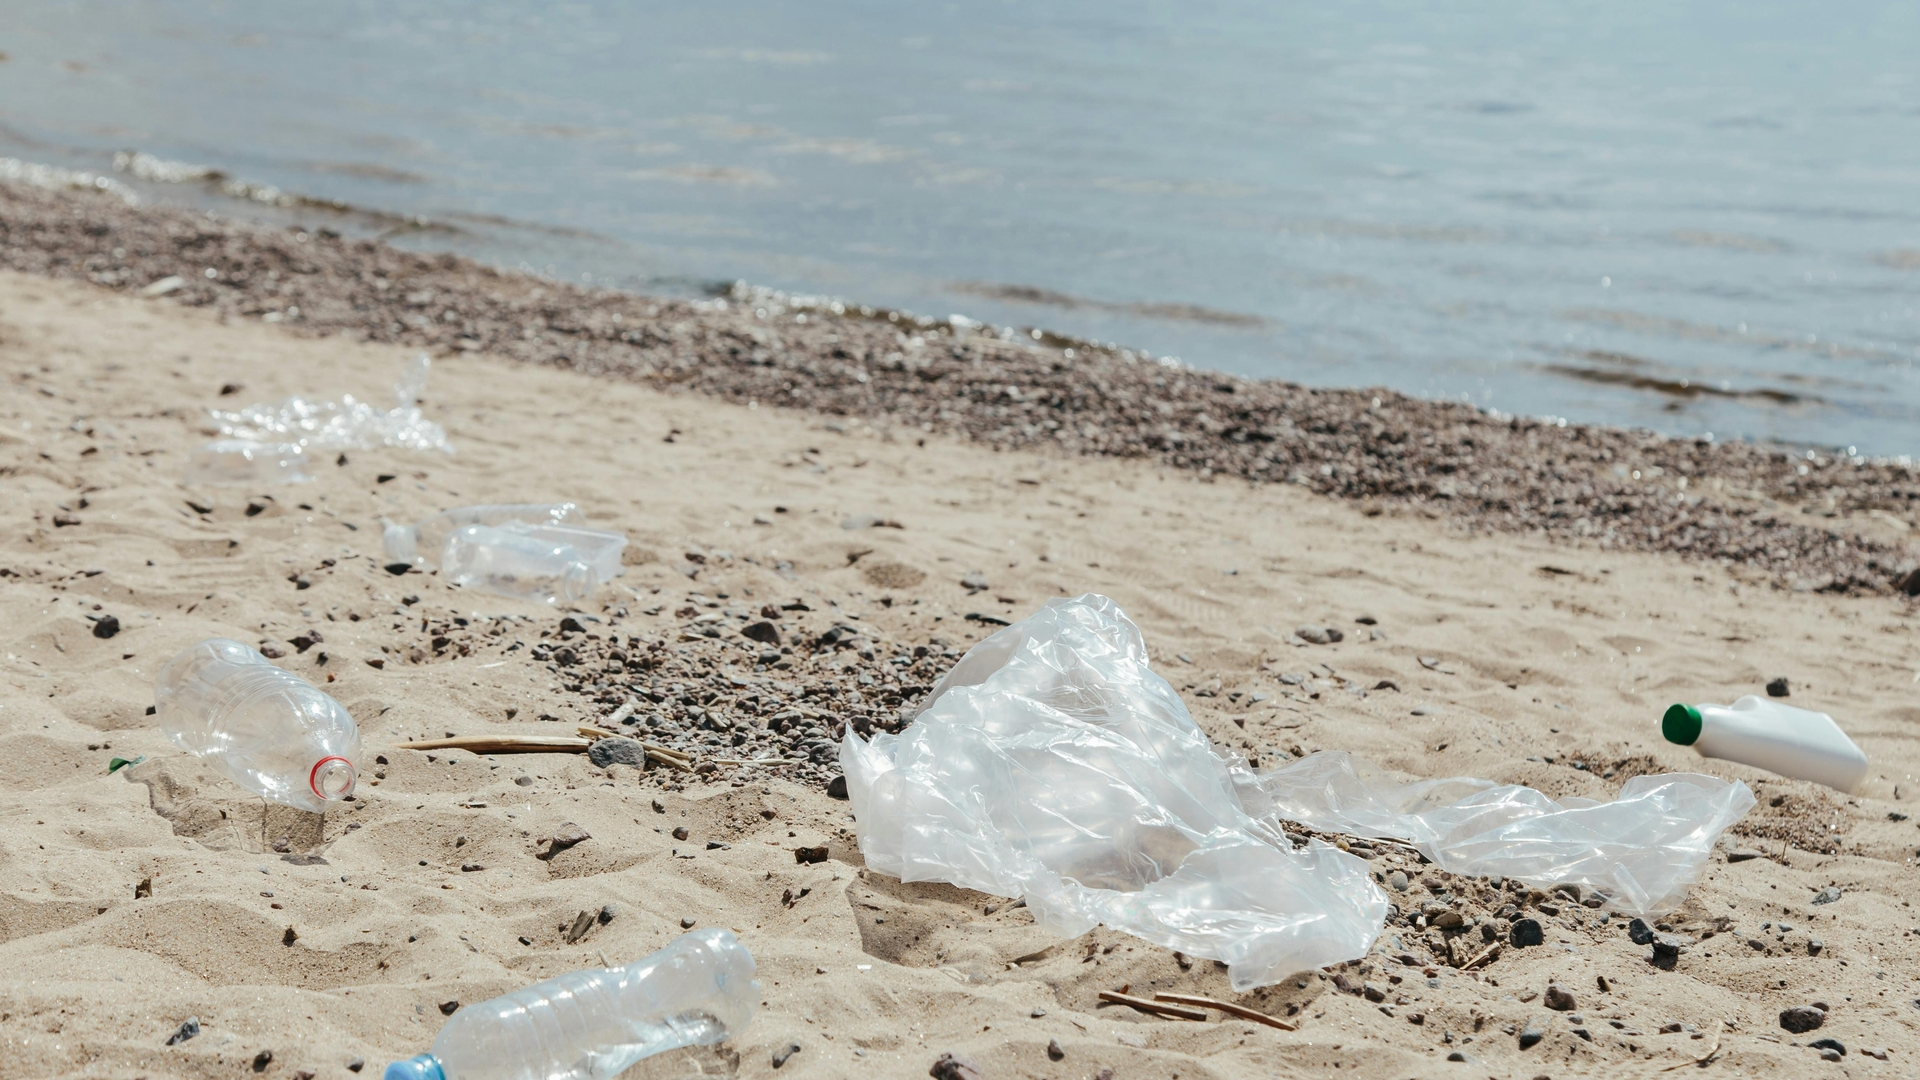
x,y
1053,764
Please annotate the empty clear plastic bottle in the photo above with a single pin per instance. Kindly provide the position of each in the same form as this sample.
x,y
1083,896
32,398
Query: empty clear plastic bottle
x,y
423,544
594,1024
244,461
268,730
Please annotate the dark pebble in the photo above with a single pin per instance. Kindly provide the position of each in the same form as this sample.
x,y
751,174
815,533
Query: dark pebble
x,y
810,854
1531,1035
1777,688
781,1055
951,1067
261,1060
1054,1050
448,1008
1829,1044
1802,1018
617,751
398,568
837,787
1526,933
187,1031
1639,932
106,626
1559,998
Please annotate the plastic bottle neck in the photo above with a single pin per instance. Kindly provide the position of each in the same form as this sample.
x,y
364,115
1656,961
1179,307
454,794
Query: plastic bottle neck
x,y
332,778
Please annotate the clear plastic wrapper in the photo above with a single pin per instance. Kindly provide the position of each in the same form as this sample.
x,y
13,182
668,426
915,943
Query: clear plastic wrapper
x,y
346,424
1052,764
244,461
1639,853
547,563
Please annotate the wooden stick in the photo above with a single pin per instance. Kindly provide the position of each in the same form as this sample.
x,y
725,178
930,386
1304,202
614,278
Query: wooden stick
x,y
1226,1007
502,744
750,761
1146,1006
1491,953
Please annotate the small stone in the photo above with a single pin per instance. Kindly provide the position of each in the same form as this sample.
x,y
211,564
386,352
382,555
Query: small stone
x,y
1839,1048
106,626
523,780
1398,880
1777,688
805,855
1054,1050
1743,855
356,1064
1526,932
837,787
261,1060
290,936
762,631
687,923
607,912
1426,710
1827,895
680,832
1319,635
1559,998
1458,1055
188,1030
1802,1018
1374,992
617,750
975,581
1666,950
1830,1054
1531,1035
781,1055
448,1008
659,807
951,1067
1639,932
1814,945
1366,620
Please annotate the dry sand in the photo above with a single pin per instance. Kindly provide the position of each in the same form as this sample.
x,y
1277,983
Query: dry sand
x,y
1538,657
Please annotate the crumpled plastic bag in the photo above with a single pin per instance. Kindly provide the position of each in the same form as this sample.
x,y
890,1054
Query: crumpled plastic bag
x,y
347,424
1052,764
1639,853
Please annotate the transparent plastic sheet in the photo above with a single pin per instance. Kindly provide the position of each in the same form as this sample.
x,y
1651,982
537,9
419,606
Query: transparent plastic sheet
x,y
1051,763
346,424
1639,853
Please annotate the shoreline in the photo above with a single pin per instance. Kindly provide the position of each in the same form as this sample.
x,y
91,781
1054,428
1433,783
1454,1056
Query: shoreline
x,y
1731,503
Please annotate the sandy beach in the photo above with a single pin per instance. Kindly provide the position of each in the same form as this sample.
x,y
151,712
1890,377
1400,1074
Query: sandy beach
x,y
1479,641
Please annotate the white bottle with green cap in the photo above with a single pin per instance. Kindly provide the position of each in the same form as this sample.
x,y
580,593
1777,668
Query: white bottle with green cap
x,y
1799,743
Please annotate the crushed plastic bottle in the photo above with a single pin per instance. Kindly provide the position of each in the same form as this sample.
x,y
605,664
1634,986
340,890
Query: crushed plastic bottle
x,y
346,424
1799,743
595,1024
245,461
548,563
268,730
1051,763
423,543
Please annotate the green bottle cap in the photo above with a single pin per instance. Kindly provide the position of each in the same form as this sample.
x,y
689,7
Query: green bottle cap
x,y
1681,725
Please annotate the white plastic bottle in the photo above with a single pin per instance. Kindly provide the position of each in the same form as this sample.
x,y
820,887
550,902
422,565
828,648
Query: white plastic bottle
x,y
531,562
268,730
422,544
244,461
595,1024
1793,742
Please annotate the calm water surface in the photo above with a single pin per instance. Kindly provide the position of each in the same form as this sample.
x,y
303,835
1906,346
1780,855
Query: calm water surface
x,y
1694,220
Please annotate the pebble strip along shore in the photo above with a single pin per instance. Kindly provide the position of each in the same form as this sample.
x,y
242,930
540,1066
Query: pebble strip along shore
x,y
1783,515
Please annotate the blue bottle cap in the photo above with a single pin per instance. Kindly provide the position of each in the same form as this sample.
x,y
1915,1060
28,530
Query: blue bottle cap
x,y
424,1067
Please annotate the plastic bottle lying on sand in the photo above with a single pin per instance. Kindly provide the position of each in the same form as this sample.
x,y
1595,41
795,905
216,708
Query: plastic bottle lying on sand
x,y
422,544
1793,742
244,461
549,563
594,1024
268,730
